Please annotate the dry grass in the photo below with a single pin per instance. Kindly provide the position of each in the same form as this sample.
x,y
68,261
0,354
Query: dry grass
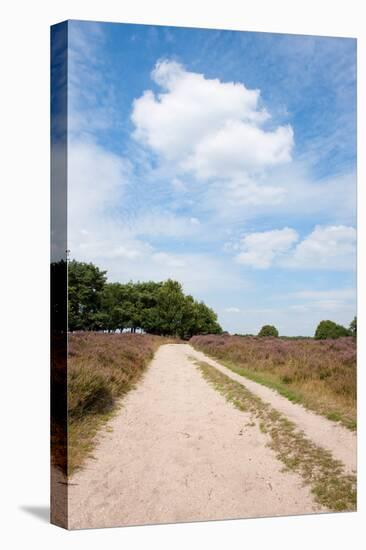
x,y
320,374
331,486
101,369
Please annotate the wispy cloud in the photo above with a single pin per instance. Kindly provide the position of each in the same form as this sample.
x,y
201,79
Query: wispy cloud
x,y
90,94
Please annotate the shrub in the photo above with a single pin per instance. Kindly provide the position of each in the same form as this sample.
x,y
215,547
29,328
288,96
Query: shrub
x,y
268,330
329,329
101,369
353,327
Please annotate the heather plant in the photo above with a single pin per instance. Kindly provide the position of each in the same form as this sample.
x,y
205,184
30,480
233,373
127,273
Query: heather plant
x,y
101,369
321,374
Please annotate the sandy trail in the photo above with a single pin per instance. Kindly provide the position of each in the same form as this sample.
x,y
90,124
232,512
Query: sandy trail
x,y
327,434
178,451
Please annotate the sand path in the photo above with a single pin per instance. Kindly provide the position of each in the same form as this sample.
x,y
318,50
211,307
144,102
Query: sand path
x,y
327,434
178,451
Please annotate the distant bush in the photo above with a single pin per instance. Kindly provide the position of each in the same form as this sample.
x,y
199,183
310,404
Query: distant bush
x,y
329,329
353,327
268,330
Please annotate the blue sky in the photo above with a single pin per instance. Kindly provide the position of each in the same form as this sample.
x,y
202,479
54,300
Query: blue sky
x,y
226,160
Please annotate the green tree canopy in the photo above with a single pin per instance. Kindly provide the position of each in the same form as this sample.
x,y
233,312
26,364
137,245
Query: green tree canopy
x,y
85,285
155,307
268,330
329,329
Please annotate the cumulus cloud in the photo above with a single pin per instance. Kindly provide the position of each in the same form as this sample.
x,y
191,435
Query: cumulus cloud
x,y
209,128
326,247
238,148
262,248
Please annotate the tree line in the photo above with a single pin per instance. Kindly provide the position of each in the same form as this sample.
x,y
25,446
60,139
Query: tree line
x,y
324,330
155,307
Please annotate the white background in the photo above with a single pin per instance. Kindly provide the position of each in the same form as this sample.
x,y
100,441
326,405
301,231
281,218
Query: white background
x,y
24,313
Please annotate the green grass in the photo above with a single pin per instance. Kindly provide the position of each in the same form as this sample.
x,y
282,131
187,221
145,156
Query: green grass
x,y
320,375
266,380
331,486
296,396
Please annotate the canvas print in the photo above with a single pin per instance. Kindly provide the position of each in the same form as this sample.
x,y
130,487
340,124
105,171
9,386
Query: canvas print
x,y
203,274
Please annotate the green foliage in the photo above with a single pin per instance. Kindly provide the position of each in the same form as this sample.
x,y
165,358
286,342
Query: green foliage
x,y
329,329
159,308
353,327
268,330
85,284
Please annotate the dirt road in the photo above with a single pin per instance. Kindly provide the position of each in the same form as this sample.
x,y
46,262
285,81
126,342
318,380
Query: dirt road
x,y
178,451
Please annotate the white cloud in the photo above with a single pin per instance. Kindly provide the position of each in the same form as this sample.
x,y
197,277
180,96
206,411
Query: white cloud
x,y
208,127
96,182
169,260
238,148
89,94
126,243
218,132
232,310
160,222
341,300
333,294
247,193
179,185
284,192
200,274
329,306
327,247
261,249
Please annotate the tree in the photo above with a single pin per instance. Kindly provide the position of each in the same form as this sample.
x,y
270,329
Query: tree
x,y
147,303
111,304
329,329
353,327
85,285
170,308
156,307
268,330
205,320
